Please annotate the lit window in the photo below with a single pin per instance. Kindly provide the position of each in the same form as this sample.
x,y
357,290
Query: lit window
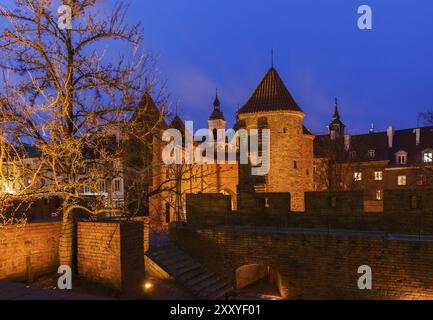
x,y
379,195
378,175
357,176
117,185
401,180
427,157
421,180
371,153
401,157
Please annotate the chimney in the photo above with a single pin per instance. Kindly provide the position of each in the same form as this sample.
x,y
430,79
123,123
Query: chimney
x,y
417,132
346,142
390,133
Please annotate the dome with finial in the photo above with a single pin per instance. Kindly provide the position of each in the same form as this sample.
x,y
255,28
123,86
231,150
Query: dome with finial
x,y
216,113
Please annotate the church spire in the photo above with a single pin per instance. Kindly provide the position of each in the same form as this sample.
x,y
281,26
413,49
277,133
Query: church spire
x,y
216,113
216,102
336,126
336,115
272,58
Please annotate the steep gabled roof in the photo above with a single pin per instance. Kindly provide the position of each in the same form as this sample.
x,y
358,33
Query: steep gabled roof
x,y
178,124
271,94
148,112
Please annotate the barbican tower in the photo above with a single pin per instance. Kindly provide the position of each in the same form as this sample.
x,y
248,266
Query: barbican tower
x,y
271,106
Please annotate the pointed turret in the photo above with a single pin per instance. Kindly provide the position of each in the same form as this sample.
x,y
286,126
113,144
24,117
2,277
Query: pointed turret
x,y
270,95
216,119
336,125
216,113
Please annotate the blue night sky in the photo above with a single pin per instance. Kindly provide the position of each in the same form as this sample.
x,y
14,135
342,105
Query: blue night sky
x,y
384,75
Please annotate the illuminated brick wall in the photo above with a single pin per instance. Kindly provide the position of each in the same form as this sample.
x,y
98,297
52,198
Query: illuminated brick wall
x,y
112,254
405,211
321,262
28,250
318,266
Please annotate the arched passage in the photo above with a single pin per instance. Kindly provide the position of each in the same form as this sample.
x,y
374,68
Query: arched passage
x,y
258,280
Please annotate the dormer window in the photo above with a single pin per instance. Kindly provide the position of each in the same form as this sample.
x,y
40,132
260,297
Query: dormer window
x,y
427,156
401,157
371,153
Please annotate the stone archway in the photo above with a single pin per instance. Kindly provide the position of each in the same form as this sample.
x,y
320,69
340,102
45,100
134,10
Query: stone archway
x,y
258,280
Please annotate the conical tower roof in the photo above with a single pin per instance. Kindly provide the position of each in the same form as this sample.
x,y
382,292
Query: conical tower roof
x,y
270,95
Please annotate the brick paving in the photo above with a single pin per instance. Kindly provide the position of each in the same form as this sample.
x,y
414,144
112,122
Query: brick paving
x,y
19,291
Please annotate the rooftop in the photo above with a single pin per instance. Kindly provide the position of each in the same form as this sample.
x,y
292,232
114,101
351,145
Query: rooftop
x,y
271,94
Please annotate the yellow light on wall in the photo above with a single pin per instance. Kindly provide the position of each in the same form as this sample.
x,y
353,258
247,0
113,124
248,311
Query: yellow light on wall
x,y
148,286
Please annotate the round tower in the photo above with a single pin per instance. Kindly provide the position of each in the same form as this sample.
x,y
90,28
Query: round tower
x,y
272,107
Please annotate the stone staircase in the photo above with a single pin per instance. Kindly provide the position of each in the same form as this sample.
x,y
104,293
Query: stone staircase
x,y
190,274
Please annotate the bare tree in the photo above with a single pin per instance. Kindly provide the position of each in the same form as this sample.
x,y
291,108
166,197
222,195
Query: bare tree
x,y
334,168
69,96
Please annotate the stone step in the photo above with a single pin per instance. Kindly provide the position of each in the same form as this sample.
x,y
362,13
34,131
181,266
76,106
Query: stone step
x,y
202,286
164,249
160,254
217,291
199,278
174,261
189,273
190,268
225,293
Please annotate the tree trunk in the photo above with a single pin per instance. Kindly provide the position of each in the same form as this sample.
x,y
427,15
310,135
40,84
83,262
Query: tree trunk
x,y
66,252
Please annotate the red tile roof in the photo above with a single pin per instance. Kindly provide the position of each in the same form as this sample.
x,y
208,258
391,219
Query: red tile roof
x,y
271,94
378,141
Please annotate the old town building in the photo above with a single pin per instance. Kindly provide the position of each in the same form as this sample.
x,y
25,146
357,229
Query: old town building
x,y
300,161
